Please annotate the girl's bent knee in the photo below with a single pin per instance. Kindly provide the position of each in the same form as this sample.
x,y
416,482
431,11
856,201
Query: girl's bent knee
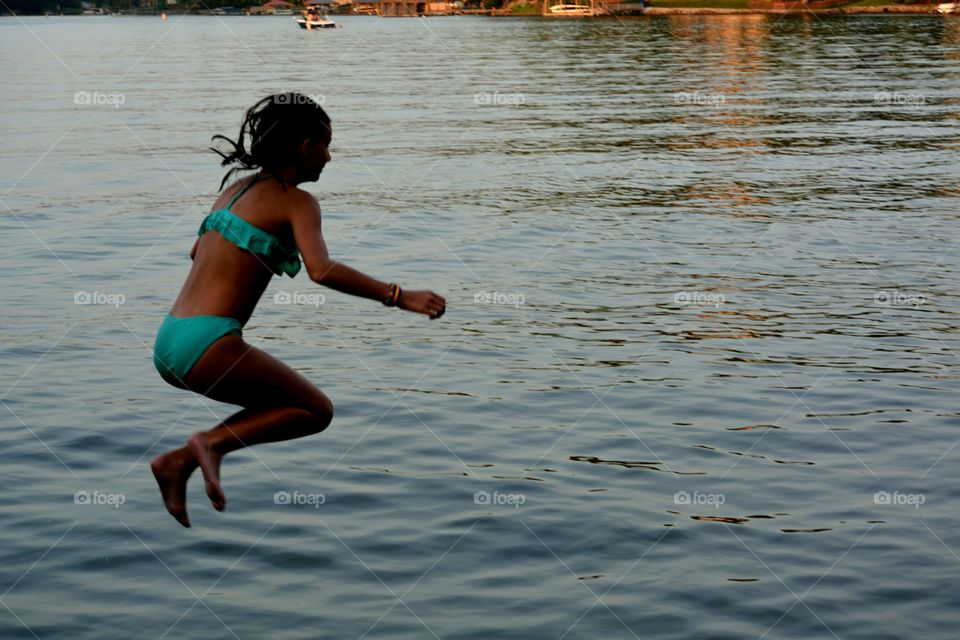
x,y
322,415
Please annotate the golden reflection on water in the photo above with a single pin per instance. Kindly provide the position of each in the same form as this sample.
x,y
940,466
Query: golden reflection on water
x,y
951,48
728,199
729,108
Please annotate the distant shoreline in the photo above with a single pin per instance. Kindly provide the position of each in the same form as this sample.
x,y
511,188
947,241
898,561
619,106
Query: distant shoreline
x,y
650,11
904,9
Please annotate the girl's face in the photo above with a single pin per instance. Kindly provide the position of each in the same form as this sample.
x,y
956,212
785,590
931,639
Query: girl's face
x,y
316,154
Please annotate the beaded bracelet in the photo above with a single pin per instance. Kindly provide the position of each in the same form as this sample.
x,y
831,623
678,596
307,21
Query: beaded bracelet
x,y
393,295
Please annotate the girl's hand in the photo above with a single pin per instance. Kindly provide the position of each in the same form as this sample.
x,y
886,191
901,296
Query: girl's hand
x,y
426,302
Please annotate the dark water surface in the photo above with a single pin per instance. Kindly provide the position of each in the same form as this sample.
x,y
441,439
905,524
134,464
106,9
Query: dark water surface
x,y
700,350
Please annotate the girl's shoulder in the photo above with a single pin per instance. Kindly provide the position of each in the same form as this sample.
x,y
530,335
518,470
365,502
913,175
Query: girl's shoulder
x,y
298,208
302,200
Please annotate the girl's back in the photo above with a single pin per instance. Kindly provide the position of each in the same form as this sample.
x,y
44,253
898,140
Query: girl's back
x,y
226,280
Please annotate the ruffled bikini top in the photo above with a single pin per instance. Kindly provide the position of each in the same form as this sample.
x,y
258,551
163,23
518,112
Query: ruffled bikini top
x,y
280,257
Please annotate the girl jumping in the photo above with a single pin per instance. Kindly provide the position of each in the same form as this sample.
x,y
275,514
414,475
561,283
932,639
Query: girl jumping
x,y
259,225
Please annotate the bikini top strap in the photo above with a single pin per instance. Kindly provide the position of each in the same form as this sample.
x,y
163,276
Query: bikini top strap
x,y
244,190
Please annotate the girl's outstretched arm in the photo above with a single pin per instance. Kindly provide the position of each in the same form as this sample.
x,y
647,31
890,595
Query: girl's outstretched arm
x,y
306,223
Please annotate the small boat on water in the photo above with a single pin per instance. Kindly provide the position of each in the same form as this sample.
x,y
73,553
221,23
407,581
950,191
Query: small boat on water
x,y
571,10
948,7
321,22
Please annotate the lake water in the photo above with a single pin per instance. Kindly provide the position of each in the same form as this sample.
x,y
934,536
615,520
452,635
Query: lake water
x,y
697,378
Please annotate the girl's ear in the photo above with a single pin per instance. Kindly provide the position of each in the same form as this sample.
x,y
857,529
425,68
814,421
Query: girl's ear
x,y
305,148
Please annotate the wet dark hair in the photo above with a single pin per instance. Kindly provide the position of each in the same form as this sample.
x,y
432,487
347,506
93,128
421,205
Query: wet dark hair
x,y
276,126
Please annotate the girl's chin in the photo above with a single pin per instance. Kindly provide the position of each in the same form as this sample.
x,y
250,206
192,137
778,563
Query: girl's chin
x,y
309,177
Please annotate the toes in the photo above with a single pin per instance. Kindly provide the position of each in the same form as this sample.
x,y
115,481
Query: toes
x,y
217,497
181,516
209,462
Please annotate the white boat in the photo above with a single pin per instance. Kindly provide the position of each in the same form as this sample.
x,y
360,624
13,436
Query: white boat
x,y
571,10
948,7
320,23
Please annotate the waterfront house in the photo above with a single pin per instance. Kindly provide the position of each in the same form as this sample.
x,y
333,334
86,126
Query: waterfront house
x,y
326,6
273,7
406,7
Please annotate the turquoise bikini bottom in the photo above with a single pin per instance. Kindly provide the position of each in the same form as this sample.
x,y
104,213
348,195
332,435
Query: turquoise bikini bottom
x,y
181,341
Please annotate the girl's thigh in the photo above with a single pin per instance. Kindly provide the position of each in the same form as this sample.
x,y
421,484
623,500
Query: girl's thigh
x,y
235,372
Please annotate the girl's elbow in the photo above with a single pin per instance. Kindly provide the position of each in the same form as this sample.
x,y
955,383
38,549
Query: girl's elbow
x,y
319,273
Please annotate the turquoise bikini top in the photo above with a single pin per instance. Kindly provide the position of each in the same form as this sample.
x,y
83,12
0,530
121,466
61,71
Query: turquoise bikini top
x,y
280,257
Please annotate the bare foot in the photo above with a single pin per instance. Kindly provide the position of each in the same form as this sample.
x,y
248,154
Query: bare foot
x,y
172,469
209,461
